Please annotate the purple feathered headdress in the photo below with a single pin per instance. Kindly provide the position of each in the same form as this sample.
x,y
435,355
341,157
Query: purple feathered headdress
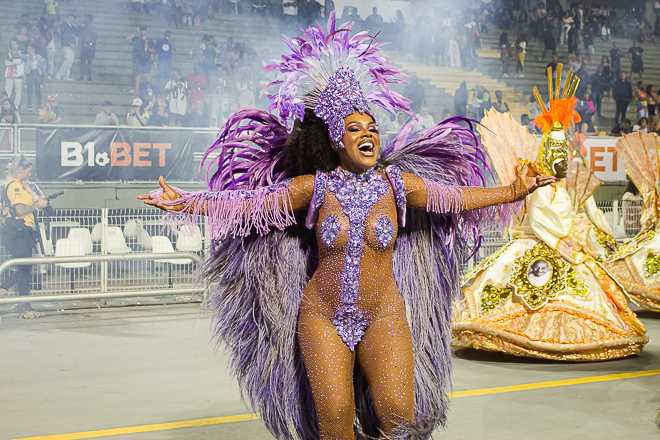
x,y
333,74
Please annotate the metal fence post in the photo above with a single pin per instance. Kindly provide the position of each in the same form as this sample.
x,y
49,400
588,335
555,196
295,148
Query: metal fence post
x,y
104,264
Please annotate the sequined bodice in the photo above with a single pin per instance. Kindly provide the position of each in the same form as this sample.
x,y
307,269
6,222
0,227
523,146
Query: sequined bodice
x,y
356,229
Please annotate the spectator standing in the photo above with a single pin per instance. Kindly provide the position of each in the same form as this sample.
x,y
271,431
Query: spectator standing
x,y
549,41
245,88
217,87
589,44
88,37
424,120
374,22
473,43
635,54
35,65
143,47
209,54
573,39
328,8
567,20
553,65
52,113
525,122
18,228
39,41
165,47
631,205
176,93
622,93
499,105
652,100
599,82
461,97
607,72
106,117
415,92
50,12
68,35
584,80
137,117
506,53
615,55
521,50
642,103
14,73
290,12
9,114
49,33
22,38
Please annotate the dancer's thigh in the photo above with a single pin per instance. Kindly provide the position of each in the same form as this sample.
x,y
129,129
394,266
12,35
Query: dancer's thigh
x,y
329,363
386,359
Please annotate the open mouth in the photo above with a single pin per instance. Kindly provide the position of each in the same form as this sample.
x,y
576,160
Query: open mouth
x,y
366,147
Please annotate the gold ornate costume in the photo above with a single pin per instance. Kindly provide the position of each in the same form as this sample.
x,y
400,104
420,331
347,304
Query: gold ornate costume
x,y
544,294
637,263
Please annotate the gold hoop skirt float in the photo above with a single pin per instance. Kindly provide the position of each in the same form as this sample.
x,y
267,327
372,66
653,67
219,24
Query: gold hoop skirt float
x,y
637,264
544,294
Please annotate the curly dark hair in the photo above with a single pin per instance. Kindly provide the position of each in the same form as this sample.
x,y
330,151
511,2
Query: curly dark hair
x,y
309,148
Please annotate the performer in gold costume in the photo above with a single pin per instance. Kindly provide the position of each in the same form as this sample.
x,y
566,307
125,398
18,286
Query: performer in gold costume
x,y
545,294
637,264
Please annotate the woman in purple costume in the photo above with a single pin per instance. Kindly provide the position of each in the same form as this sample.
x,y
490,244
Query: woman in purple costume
x,y
342,332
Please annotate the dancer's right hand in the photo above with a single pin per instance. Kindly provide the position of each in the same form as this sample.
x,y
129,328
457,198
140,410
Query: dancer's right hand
x,y
169,195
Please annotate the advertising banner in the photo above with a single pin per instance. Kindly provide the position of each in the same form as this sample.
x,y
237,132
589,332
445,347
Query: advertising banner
x,y
115,153
603,160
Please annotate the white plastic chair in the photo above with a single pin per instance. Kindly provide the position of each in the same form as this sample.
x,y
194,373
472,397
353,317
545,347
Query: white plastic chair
x,y
132,227
48,245
189,240
115,242
97,233
144,241
66,247
83,237
163,245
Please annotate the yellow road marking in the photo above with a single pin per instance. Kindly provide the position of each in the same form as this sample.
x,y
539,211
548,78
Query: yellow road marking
x,y
554,383
245,417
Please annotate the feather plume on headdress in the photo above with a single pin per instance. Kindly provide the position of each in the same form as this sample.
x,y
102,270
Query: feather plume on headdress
x,y
333,74
558,118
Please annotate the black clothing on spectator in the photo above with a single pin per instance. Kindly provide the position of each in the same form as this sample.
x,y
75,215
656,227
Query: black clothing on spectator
x,y
636,57
461,100
68,34
615,55
573,40
617,129
622,90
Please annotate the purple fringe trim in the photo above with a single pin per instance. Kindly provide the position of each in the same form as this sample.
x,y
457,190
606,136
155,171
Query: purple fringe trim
x,y
443,198
235,212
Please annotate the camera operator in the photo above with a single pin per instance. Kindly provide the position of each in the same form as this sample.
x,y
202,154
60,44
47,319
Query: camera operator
x,y
18,231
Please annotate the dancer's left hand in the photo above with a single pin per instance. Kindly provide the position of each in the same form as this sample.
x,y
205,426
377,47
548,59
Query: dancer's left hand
x,y
533,180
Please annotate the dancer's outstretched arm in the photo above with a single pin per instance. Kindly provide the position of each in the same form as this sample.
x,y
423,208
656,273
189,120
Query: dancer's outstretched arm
x,y
440,198
238,211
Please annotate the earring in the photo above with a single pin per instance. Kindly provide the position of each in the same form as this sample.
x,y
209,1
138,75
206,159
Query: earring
x,y
338,145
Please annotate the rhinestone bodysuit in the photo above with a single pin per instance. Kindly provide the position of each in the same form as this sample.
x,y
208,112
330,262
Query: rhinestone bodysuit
x,y
357,194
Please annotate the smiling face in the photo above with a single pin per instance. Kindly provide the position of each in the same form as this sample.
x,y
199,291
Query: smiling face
x,y
361,141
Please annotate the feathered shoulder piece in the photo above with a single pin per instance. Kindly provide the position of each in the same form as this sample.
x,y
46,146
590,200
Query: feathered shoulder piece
x,y
639,153
333,73
508,143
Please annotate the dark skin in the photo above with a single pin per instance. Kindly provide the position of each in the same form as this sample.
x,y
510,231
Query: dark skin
x,y
560,169
362,143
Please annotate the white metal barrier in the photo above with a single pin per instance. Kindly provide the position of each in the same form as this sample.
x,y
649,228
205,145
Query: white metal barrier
x,y
129,237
